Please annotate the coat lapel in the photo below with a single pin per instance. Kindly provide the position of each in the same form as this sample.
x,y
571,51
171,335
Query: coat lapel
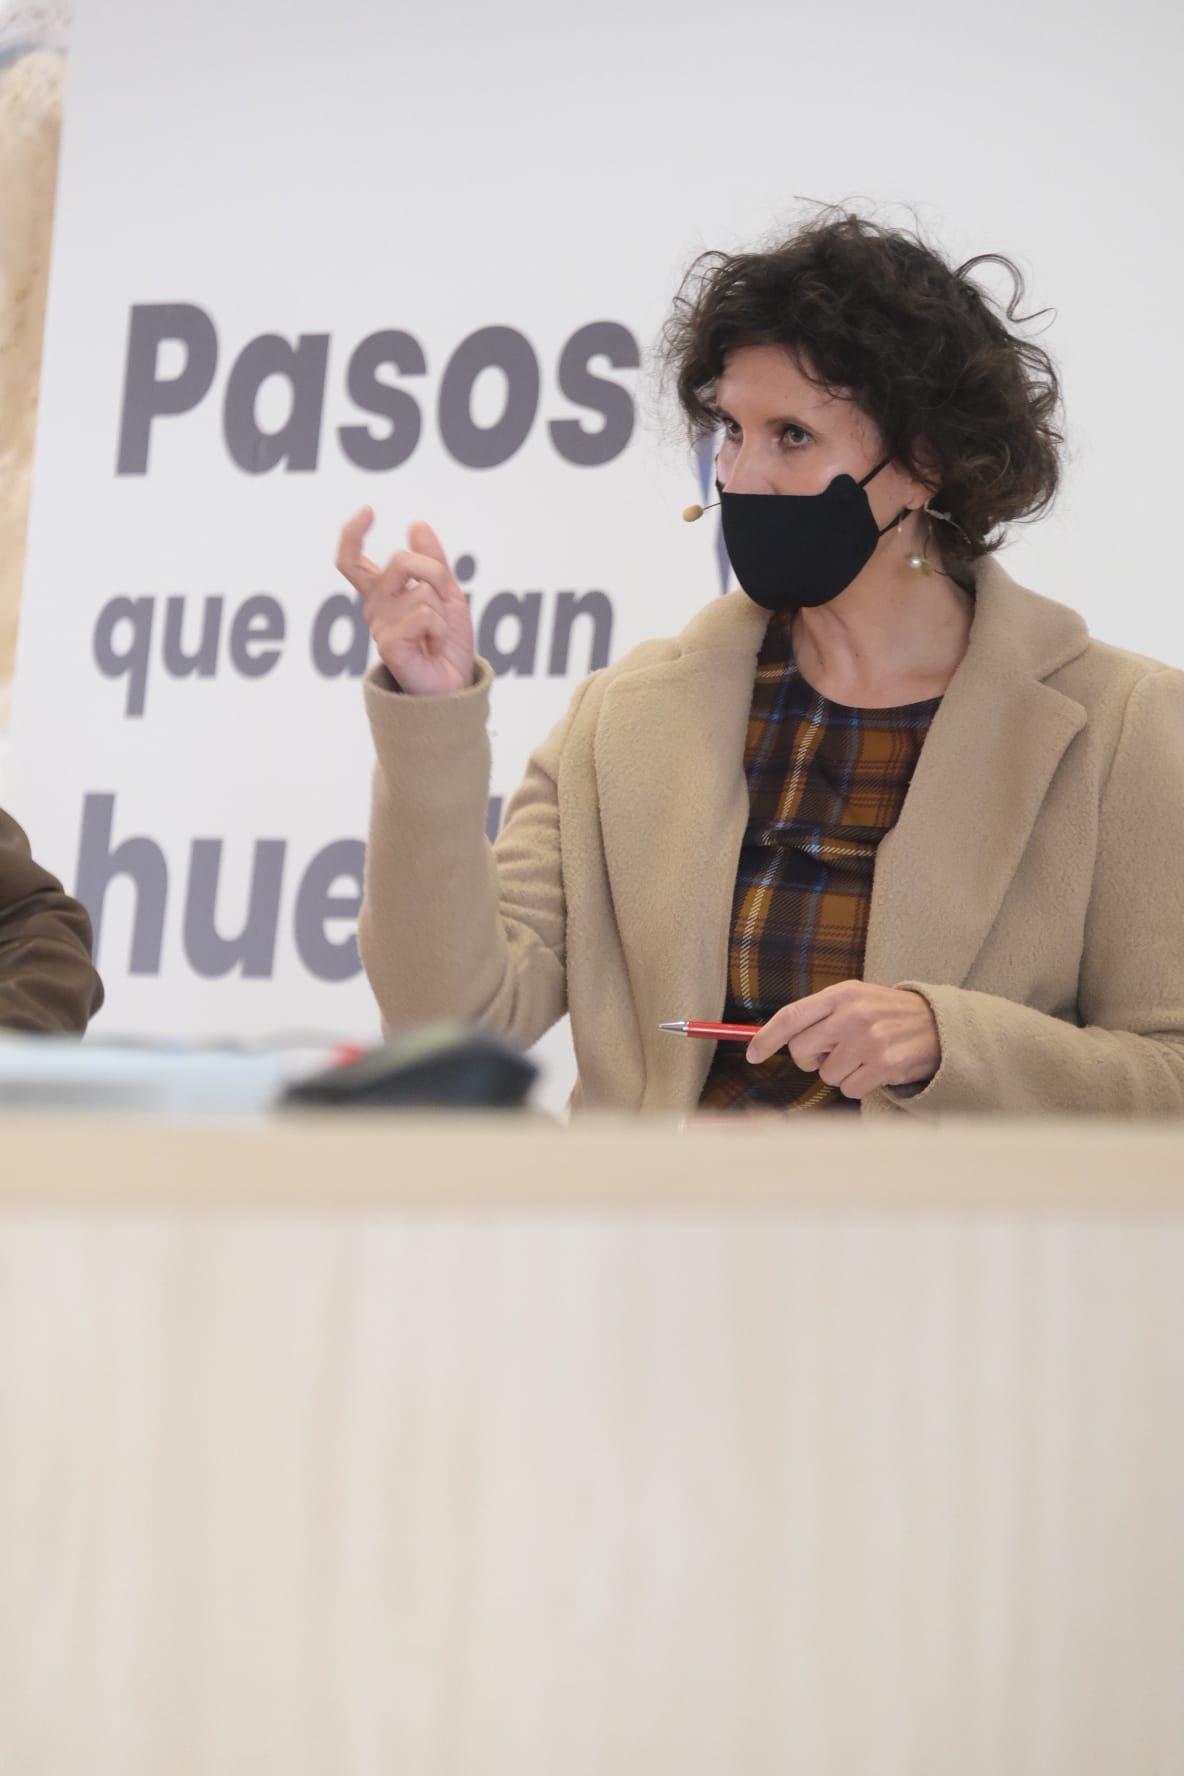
x,y
984,771
669,757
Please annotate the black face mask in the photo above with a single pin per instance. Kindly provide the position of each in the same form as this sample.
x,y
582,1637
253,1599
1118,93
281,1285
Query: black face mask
x,y
793,549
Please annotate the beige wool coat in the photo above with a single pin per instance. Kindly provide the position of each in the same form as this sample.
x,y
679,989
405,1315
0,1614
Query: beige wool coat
x,y
1032,890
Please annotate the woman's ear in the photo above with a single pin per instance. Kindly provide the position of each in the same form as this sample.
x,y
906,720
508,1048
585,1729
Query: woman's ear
x,y
928,468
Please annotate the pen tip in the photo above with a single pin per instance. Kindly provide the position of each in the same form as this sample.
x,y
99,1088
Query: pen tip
x,y
679,1029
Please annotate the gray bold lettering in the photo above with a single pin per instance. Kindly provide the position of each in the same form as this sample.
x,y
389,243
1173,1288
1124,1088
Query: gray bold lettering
x,y
139,859
147,395
257,635
316,905
490,348
297,443
138,614
351,658
204,662
599,339
212,955
597,606
523,609
375,395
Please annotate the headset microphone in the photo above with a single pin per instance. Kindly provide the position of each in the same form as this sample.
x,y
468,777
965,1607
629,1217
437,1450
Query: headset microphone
x,y
691,513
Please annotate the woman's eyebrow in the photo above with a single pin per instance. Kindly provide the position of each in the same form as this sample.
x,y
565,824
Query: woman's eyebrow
x,y
783,419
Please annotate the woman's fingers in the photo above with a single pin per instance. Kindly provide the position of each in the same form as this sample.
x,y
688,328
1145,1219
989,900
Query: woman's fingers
x,y
859,1083
407,569
414,623
424,562
357,568
417,614
424,541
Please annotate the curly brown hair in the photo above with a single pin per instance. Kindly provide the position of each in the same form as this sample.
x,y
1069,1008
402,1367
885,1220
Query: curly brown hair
x,y
878,316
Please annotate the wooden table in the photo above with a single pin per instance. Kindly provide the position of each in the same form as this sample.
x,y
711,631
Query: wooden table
x,y
486,1448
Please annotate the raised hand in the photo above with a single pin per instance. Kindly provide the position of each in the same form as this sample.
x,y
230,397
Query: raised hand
x,y
416,611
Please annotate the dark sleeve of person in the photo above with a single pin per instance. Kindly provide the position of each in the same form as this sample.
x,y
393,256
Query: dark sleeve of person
x,y
47,982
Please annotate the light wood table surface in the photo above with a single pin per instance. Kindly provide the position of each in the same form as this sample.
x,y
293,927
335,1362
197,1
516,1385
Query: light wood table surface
x,y
488,1448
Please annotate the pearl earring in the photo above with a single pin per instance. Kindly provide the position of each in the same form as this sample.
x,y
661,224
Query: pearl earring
x,y
918,560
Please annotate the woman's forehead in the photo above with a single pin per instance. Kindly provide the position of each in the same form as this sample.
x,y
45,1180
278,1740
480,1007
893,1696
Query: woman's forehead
x,y
772,377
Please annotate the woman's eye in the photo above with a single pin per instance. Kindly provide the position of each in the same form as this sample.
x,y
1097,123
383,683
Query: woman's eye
x,y
793,435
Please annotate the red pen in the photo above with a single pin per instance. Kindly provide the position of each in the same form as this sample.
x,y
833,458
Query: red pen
x,y
714,1032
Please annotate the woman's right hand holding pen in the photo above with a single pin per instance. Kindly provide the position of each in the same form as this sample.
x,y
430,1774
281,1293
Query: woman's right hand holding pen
x,y
417,613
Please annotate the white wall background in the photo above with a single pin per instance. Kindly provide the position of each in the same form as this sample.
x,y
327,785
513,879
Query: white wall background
x,y
443,169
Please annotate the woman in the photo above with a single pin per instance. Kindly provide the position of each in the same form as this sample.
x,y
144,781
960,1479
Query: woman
x,y
884,802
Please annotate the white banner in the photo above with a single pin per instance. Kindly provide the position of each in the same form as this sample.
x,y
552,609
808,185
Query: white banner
x,y
308,258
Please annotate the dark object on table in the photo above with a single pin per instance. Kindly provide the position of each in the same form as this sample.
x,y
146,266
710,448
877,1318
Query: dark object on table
x,y
445,1065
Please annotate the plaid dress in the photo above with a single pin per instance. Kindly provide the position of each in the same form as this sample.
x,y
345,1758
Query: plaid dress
x,y
825,783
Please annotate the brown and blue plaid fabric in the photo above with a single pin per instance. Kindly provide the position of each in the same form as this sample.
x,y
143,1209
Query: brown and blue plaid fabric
x,y
825,783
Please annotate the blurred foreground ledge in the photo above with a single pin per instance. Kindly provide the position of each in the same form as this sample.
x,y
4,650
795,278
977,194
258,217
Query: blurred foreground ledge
x,y
366,1159
484,1446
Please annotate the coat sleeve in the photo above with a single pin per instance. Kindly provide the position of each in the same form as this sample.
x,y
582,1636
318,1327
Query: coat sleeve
x,y
451,926
1127,1056
47,981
